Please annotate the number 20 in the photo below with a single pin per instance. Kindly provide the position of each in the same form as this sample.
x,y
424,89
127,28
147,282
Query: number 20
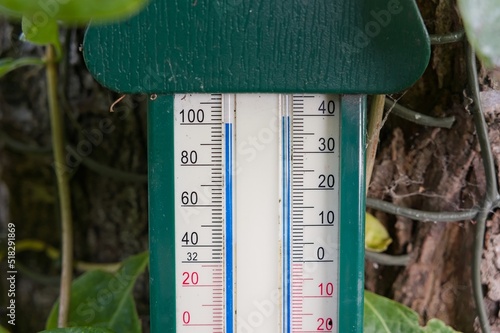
x,y
326,181
325,324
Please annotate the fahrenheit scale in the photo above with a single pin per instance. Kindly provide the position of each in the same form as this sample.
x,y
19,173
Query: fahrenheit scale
x,y
256,234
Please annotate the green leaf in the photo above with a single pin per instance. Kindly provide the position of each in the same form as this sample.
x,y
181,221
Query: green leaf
x,y
9,13
78,330
40,33
9,64
383,315
437,326
101,299
73,11
3,329
482,25
376,236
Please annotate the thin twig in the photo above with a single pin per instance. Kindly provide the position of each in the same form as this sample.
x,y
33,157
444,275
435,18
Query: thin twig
x,y
101,169
107,171
376,113
452,37
491,187
418,118
22,147
481,129
63,188
387,259
112,107
421,215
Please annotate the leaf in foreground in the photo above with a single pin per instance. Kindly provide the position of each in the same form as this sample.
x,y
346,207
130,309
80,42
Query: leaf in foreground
x,y
102,299
9,13
482,25
72,11
41,33
383,315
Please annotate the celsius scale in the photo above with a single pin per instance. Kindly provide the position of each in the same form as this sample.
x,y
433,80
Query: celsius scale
x,y
256,152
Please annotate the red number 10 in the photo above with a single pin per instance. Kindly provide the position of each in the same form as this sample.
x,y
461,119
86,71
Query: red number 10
x,y
326,289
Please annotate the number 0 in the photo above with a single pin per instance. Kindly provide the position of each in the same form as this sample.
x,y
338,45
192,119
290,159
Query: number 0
x,y
320,253
186,317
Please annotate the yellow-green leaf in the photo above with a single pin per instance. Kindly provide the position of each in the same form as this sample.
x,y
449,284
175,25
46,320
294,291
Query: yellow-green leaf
x,y
73,11
383,315
377,238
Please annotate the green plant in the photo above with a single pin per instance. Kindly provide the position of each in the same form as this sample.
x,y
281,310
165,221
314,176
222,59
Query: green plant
x,y
45,32
40,25
382,314
481,25
104,300
388,316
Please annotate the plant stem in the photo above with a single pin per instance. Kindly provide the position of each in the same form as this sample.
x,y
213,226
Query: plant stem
x,y
417,118
422,215
56,120
452,37
376,112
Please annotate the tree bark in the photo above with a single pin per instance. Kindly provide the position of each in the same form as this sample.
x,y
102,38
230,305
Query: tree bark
x,y
435,170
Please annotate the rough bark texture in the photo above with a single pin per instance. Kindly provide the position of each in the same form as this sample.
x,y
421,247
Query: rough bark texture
x,y
490,266
419,167
434,175
436,170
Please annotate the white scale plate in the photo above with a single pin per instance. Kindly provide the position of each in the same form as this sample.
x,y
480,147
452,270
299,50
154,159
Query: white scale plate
x,y
256,208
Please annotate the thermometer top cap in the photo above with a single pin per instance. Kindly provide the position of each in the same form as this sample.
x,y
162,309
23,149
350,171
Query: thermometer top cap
x,y
292,46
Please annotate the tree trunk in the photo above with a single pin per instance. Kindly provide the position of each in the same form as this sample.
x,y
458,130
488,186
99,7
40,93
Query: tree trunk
x,y
436,170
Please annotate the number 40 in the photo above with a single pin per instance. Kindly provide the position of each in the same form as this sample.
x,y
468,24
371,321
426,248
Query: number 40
x,y
327,107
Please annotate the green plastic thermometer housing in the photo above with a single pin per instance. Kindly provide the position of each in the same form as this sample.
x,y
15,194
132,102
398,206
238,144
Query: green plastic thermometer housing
x,y
256,152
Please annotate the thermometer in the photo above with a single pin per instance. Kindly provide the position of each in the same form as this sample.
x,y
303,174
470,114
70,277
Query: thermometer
x,y
258,229
256,168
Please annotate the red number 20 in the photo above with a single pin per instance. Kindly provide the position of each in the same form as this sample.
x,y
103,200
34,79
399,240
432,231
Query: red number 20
x,y
190,278
325,324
